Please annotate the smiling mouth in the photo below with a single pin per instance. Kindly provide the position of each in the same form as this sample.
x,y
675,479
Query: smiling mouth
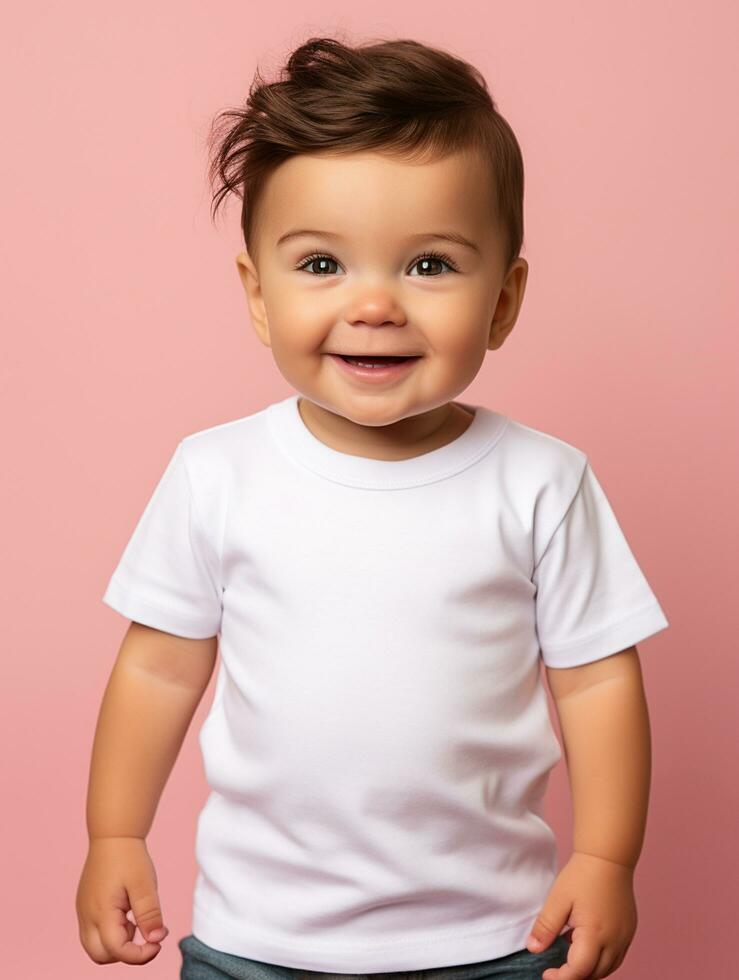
x,y
372,359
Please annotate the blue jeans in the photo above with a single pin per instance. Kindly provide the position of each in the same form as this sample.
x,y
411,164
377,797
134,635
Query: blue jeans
x,y
201,962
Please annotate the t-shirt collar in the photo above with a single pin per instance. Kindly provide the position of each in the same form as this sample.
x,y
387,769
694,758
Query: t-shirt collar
x,y
297,441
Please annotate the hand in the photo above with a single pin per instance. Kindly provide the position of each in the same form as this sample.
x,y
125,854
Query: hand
x,y
119,877
596,897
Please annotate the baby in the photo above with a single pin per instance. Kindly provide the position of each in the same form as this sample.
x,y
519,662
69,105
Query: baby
x,y
383,569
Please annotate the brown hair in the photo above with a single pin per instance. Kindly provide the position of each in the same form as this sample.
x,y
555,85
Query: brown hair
x,y
397,96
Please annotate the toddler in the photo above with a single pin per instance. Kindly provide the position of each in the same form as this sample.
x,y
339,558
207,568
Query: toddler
x,y
383,569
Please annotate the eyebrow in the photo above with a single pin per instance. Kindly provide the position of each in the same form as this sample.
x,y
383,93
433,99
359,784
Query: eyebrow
x,y
446,236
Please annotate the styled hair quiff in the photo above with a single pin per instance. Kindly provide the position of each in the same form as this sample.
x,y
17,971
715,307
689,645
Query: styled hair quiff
x,y
399,96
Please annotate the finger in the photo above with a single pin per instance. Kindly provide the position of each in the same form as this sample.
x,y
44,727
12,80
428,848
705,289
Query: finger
x,y
619,960
93,946
546,928
147,911
582,957
155,935
606,964
116,935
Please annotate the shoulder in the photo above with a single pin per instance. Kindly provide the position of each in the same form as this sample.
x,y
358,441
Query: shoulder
x,y
227,450
541,465
224,438
540,474
220,458
543,451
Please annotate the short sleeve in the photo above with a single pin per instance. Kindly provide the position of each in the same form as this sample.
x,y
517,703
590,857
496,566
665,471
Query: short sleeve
x,y
592,599
168,576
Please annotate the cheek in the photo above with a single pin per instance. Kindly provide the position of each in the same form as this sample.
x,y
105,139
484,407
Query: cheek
x,y
455,317
297,323
285,300
459,337
296,337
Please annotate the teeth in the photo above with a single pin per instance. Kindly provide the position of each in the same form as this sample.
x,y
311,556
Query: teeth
x,y
382,360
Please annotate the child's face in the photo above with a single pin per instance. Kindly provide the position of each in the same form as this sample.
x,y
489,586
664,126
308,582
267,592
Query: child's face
x,y
368,293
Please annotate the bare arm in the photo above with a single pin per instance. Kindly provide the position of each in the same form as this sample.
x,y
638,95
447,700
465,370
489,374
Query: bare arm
x,y
154,688
604,720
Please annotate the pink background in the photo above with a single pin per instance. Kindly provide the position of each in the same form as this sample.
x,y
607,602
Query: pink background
x,y
125,328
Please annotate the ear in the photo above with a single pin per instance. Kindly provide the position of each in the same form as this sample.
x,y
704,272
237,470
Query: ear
x,y
509,303
250,281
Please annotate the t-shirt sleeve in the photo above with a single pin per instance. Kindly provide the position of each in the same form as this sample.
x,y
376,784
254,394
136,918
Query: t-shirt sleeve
x,y
592,598
168,574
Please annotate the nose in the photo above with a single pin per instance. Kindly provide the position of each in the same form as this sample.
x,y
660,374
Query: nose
x,y
376,309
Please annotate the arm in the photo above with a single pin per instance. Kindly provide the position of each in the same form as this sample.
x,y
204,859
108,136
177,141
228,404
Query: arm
x,y
604,720
154,688
605,729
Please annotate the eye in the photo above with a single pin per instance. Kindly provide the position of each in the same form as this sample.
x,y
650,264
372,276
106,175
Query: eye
x,y
426,258
309,260
436,257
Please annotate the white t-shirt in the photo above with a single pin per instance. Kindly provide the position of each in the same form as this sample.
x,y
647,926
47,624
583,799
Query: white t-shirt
x,y
379,743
